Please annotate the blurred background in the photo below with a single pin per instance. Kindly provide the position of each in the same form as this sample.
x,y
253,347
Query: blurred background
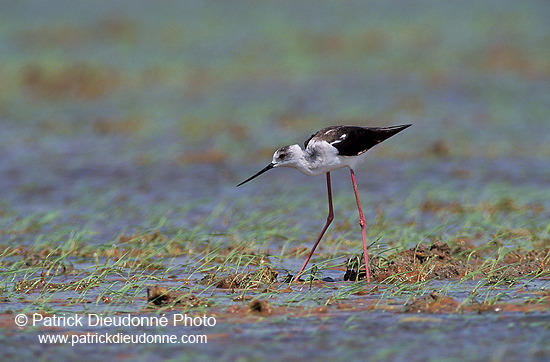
x,y
114,111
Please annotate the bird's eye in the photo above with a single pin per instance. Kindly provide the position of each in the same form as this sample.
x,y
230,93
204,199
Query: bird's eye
x,y
281,156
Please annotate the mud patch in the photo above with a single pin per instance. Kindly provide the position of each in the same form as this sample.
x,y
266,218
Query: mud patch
x,y
262,307
29,285
433,303
78,80
250,280
161,296
441,261
517,265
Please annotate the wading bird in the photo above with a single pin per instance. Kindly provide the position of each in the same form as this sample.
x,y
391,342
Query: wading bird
x,y
329,149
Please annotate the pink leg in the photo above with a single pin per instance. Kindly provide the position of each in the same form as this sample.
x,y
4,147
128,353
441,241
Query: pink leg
x,y
362,223
330,217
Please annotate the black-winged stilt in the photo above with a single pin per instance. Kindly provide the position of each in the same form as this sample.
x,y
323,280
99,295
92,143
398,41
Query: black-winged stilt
x,y
329,149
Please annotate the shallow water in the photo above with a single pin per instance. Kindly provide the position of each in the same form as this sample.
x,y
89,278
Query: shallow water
x,y
125,118
326,334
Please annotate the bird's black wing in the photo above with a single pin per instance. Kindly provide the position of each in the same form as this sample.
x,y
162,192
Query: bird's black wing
x,y
354,140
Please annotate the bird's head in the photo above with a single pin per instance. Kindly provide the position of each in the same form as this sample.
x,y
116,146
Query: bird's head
x,y
287,156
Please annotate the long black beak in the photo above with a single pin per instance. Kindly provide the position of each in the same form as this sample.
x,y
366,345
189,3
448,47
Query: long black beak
x,y
267,168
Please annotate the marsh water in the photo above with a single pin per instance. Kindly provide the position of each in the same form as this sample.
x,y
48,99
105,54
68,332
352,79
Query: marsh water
x,y
133,118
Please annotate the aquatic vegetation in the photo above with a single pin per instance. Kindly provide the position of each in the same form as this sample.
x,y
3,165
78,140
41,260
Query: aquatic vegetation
x,y
125,127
